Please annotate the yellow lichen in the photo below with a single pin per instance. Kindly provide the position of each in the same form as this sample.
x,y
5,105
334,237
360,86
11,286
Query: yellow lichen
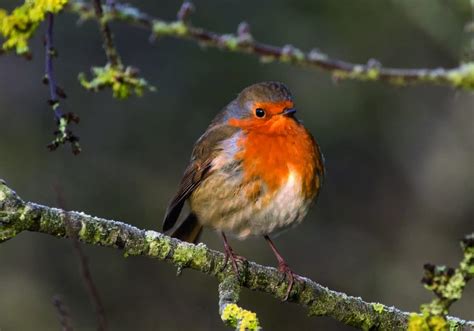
x,y
183,254
230,41
427,322
463,77
239,318
161,28
373,74
83,230
378,307
20,25
358,72
159,247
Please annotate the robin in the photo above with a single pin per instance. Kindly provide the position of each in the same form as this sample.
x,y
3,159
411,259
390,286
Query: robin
x,y
254,172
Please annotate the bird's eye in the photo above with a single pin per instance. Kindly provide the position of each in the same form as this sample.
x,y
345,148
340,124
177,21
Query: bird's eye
x,y
259,112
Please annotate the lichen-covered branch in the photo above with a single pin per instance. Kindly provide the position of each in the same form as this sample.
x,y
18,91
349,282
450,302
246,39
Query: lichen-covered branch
x,y
448,285
85,272
243,42
231,314
124,81
17,216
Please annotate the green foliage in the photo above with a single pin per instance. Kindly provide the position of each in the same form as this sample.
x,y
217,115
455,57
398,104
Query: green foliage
x,y
20,25
123,82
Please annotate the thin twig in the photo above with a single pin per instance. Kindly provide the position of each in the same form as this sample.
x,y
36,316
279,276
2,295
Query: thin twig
x,y
86,275
63,314
243,42
109,47
63,134
49,76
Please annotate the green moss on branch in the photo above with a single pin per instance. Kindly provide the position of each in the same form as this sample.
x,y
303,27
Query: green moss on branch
x,y
448,285
17,216
243,42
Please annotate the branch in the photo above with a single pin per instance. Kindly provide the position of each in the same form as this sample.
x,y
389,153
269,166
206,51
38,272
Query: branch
x,y
63,314
85,272
231,313
448,285
17,215
123,81
109,47
243,42
63,134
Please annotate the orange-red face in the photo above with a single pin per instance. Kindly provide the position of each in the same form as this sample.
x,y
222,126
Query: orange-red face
x,y
266,116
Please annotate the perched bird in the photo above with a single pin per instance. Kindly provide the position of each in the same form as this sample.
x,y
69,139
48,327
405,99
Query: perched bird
x,y
254,172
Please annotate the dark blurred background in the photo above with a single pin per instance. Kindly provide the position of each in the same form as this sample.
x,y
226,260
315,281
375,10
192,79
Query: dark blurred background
x,y
400,181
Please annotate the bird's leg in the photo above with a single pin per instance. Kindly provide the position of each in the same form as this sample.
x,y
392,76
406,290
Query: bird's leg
x,y
229,253
283,267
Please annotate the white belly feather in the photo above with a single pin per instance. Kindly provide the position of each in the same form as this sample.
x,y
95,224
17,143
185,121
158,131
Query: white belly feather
x,y
287,208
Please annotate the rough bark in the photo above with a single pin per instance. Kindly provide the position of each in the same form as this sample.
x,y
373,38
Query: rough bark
x,y
17,215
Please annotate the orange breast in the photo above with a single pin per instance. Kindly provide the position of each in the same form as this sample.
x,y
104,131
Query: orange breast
x,y
270,150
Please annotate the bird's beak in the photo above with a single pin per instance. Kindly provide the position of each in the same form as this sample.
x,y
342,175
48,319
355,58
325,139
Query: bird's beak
x,y
289,111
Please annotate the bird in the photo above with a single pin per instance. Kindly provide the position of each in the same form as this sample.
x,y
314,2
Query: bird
x,y
255,171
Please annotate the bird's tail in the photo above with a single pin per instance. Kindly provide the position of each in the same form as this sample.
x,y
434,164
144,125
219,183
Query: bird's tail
x,y
189,230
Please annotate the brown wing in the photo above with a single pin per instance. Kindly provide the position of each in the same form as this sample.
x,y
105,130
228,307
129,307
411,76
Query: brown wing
x,y
198,169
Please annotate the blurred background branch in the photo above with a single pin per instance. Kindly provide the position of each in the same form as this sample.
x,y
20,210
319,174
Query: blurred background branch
x,y
124,81
243,42
63,314
319,300
109,47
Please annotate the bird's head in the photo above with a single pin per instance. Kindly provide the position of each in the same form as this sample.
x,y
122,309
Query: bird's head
x,y
266,107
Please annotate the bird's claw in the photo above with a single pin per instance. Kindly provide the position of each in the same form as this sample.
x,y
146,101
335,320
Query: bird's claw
x,y
234,258
290,275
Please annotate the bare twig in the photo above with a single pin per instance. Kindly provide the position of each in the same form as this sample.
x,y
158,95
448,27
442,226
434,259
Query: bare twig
x,y
109,47
63,134
17,216
63,314
86,275
459,77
